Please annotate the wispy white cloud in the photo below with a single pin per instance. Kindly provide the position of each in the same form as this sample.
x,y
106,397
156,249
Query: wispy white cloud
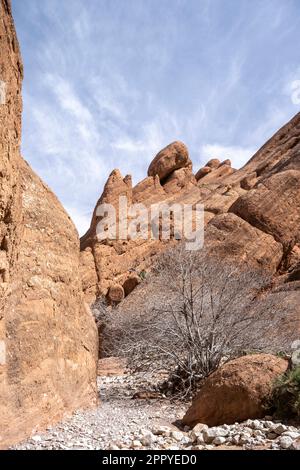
x,y
81,220
238,155
109,83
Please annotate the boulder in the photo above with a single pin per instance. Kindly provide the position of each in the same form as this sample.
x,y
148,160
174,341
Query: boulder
x,y
216,175
213,163
171,158
203,172
225,162
237,391
130,284
116,293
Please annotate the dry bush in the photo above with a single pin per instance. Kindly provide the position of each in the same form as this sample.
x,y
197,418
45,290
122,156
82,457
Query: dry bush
x,y
203,313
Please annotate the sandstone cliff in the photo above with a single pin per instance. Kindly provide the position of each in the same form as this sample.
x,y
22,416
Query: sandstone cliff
x,y
251,215
48,339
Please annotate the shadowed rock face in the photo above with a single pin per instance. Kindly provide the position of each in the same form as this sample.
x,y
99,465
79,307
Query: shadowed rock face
x,y
48,339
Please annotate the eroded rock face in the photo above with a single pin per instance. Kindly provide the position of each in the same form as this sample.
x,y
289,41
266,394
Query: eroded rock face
x,y
11,74
237,391
213,170
274,207
230,237
48,338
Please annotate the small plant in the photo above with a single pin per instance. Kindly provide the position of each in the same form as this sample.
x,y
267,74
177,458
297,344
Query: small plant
x,y
285,397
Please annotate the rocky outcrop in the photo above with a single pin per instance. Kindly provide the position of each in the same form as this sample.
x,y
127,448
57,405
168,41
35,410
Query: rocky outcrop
x,y
215,169
171,158
237,391
228,236
203,172
116,262
251,215
281,219
48,338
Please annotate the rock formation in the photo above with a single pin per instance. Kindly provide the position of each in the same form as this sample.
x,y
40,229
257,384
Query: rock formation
x,y
237,391
48,338
251,215
170,159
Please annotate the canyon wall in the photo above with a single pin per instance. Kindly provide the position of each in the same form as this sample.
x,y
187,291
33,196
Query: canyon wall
x,y
48,338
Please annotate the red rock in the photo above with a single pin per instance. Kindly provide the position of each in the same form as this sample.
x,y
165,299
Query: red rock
x,y
213,163
274,207
237,391
226,162
130,284
48,337
116,293
203,172
171,158
249,181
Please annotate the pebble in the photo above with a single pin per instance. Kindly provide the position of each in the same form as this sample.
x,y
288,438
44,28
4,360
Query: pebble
x,y
123,423
285,442
219,441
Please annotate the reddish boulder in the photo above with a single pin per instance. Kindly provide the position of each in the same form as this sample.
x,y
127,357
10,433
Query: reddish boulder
x,y
226,162
116,293
237,391
169,159
213,163
203,172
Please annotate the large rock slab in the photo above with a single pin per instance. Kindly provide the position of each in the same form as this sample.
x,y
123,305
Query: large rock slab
x,y
273,206
237,391
231,238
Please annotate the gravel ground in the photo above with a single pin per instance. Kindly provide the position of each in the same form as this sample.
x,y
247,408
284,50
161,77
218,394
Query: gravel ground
x,y
125,423
117,422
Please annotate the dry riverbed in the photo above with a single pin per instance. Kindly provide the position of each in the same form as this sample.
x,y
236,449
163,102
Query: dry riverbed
x,y
125,423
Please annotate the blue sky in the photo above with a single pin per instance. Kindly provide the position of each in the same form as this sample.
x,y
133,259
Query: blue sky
x,y
108,83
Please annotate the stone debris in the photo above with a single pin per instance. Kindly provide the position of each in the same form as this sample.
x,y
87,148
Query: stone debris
x,y
121,423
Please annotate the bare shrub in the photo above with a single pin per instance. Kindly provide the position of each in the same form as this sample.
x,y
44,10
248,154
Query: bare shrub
x,y
202,313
